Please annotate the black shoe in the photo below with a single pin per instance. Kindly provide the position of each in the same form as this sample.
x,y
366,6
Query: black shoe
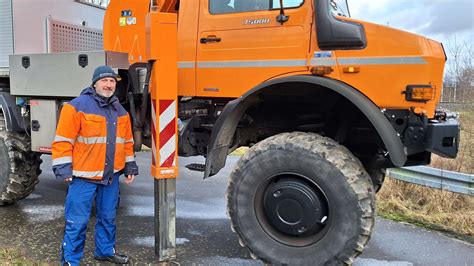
x,y
116,258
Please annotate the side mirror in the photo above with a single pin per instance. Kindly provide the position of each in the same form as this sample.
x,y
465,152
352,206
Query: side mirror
x,y
335,34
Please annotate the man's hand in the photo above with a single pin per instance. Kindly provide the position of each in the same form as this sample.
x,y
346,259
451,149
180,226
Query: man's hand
x,y
129,179
68,179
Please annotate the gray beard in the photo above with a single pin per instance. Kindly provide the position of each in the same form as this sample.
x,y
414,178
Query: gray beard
x,y
102,95
106,99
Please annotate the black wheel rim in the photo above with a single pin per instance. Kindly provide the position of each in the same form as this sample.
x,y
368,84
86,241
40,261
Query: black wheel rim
x,y
292,209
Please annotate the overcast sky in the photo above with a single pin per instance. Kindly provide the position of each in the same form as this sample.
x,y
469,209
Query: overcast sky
x,y
440,20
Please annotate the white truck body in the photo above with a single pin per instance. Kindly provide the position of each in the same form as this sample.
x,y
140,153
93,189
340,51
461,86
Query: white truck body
x,y
45,26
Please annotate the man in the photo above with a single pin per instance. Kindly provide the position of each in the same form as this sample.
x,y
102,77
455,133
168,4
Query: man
x,y
92,147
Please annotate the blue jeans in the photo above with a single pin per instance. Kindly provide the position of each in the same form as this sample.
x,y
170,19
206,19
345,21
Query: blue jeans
x,y
79,200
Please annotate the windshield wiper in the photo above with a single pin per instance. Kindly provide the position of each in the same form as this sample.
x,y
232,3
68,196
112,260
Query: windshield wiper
x,y
348,10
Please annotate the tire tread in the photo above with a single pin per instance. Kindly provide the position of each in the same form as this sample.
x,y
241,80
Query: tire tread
x,y
24,166
349,165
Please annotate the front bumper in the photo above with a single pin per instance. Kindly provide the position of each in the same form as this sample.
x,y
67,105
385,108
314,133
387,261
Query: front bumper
x,y
442,137
422,136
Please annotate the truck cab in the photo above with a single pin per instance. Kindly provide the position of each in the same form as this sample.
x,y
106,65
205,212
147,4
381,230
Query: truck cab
x,y
226,49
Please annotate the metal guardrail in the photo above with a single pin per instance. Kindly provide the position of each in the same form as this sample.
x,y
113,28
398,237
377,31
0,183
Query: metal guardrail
x,y
435,178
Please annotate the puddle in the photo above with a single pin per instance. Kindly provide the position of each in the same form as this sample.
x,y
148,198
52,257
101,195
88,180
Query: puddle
x,y
34,196
373,262
184,209
195,233
181,241
194,210
142,211
149,241
43,213
219,260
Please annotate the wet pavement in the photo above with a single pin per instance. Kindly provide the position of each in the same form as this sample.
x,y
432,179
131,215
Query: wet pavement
x,y
35,224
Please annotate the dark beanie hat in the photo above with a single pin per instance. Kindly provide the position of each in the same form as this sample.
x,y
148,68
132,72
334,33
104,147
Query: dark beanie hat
x,y
103,72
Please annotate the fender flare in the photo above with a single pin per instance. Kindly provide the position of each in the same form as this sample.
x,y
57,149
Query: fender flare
x,y
226,124
12,114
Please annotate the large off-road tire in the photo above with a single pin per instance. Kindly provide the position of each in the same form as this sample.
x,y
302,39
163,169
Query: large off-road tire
x,y
378,176
19,167
301,199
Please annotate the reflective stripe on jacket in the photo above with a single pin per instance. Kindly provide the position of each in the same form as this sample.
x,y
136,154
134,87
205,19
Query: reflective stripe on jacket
x,y
93,139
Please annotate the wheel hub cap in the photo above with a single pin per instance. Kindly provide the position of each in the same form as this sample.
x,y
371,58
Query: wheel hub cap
x,y
294,207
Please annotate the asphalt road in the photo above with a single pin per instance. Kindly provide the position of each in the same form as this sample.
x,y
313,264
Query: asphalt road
x,y
35,224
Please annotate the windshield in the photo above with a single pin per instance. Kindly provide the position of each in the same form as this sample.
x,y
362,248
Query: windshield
x,y
340,8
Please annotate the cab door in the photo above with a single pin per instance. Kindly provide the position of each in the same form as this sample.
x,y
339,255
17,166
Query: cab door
x,y
241,44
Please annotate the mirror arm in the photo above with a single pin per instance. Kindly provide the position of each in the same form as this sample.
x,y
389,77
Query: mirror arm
x,y
282,18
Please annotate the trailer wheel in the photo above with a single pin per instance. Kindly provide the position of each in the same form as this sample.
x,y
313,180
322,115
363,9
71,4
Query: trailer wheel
x,y
301,199
19,167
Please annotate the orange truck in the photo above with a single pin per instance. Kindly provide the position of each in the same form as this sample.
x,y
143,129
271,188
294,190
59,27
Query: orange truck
x,y
325,102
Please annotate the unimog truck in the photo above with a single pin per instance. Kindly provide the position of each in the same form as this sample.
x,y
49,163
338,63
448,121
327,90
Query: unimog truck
x,y
325,102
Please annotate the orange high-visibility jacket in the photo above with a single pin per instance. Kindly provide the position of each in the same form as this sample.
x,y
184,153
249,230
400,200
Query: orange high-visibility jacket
x,y
93,139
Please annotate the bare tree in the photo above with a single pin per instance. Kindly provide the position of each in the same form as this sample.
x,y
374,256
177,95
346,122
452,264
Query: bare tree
x,y
459,75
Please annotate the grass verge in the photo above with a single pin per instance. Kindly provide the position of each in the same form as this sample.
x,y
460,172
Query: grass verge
x,y
431,208
464,162
15,256
240,151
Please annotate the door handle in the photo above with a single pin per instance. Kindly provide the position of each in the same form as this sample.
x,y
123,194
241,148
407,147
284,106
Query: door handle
x,y
210,39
